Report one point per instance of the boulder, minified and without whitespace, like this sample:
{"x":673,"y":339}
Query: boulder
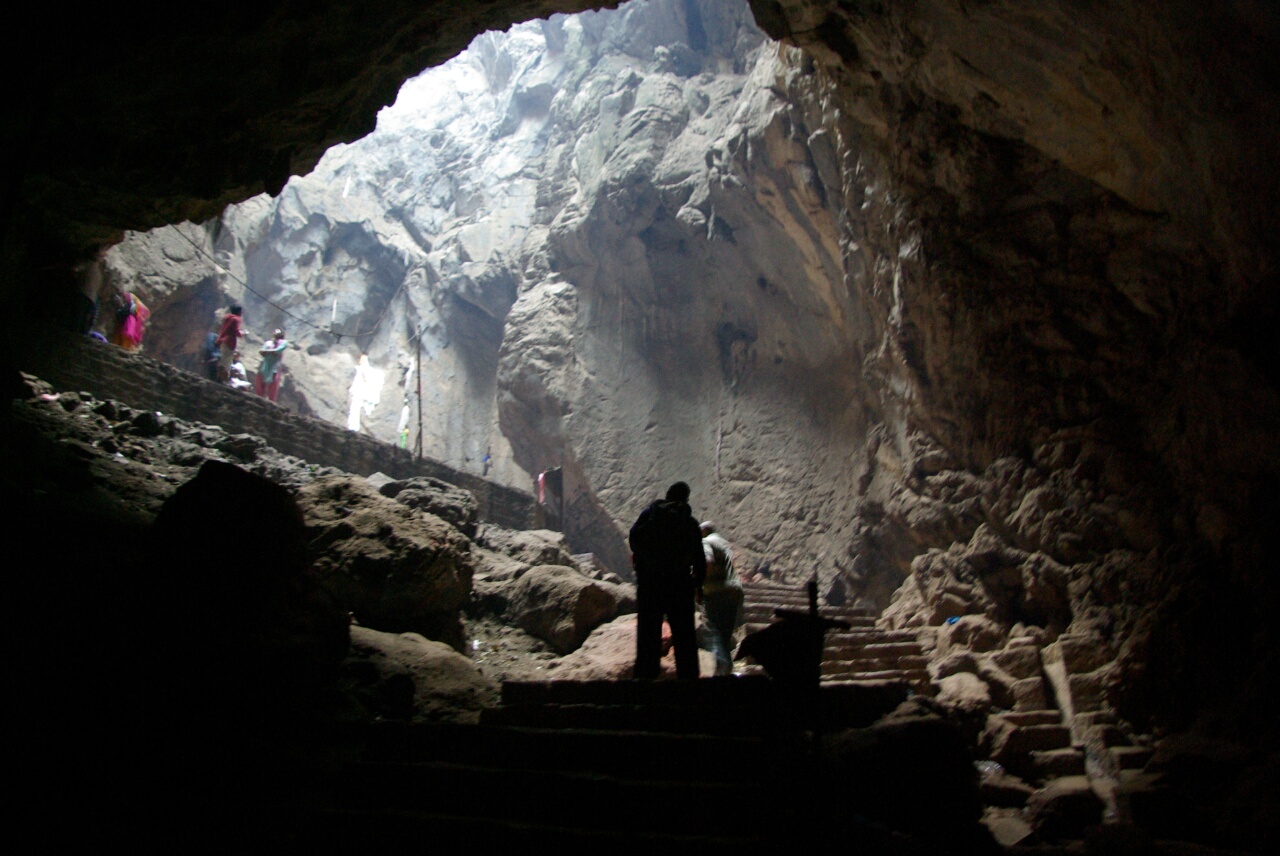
{"x":964,"y":693}
{"x":528,"y":547}
{"x":1020,"y":661}
{"x":393,"y":567}
{"x":451,"y":504}
{"x":609,"y":654}
{"x":404,"y":676}
{"x":972,"y":632}
{"x":560,"y":606}
{"x":1064,"y":808}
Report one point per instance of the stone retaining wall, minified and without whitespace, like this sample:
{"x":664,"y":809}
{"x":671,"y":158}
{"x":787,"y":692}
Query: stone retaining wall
{"x":75,"y":363}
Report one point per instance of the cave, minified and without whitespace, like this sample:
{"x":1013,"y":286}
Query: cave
{"x":962,"y":310}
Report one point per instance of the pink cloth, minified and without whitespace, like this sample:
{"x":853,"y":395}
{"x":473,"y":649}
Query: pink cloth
{"x":133,"y":327}
{"x":269,"y":391}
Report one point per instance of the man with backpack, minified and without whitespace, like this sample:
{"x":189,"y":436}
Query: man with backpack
{"x":722,"y":596}
{"x":666,"y":547}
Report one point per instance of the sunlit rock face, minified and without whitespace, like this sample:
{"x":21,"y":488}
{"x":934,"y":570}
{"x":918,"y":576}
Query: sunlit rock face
{"x":619,"y":237}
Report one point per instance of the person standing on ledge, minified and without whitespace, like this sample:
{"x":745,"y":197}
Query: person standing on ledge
{"x":666,"y":547}
{"x":228,"y":336}
{"x":722,"y":596}
{"x":267,"y":382}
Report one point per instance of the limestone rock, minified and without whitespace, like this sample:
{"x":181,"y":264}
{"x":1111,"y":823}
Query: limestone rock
{"x":395,"y":568}
{"x":529,"y":548}
{"x":1000,"y":788}
{"x":451,"y":504}
{"x":964,"y":693}
{"x":560,"y":605}
{"x":1064,"y":808}
{"x":975,"y":633}
{"x":408,"y":677}
{"x":1011,"y":744}
{"x":609,"y":653}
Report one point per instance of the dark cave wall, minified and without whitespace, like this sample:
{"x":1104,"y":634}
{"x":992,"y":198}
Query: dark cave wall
{"x":1070,"y":244}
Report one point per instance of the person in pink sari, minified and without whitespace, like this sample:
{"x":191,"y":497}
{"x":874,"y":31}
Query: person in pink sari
{"x":131,"y":321}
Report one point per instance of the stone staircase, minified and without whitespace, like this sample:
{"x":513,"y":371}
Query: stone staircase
{"x":861,"y":654}
{"x":715,"y":766}
{"x":1060,"y":739}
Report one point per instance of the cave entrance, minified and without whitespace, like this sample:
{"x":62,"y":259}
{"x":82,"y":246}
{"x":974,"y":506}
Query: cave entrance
{"x":605,"y":245}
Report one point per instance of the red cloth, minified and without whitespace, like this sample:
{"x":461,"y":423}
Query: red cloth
{"x":230,"y":332}
{"x":270,"y":390}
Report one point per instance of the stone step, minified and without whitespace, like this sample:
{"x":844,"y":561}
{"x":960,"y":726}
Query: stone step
{"x":591,"y":801}
{"x":696,"y":757}
{"x":765,"y":612}
{"x":730,"y":690}
{"x":875,"y":649}
{"x":1131,"y":757}
{"x":846,"y":706}
{"x":722,"y":720}
{"x":864,"y":635}
{"x":1055,"y":763}
{"x":1032,"y":717}
{"x":915,"y":666}
{"x":912,"y":677}
{"x":752,"y":626}
{"x":1094,"y":718}
{"x":354,"y":831}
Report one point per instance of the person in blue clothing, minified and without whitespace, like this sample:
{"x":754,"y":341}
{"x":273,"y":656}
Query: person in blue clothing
{"x":267,"y":383}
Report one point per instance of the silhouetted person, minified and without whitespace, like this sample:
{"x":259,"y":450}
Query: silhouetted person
{"x":666,"y":547}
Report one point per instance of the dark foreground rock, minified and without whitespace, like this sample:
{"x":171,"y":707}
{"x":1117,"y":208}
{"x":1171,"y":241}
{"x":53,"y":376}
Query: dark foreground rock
{"x":407,"y":677}
{"x":911,"y":775}
{"x":394,"y":567}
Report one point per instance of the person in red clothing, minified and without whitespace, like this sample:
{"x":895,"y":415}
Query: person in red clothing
{"x":228,"y":336}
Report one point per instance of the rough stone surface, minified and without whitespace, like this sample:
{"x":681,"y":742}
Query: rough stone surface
{"x":560,"y":605}
{"x":1064,"y":808}
{"x":395,"y":568}
{"x":526,"y":547}
{"x":964,"y":693}
{"x":405,"y":676}
{"x":451,"y":504}
{"x":609,"y":653}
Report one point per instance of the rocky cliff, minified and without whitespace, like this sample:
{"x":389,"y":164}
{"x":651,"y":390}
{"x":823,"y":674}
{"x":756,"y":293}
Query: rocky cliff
{"x":613,"y":233}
